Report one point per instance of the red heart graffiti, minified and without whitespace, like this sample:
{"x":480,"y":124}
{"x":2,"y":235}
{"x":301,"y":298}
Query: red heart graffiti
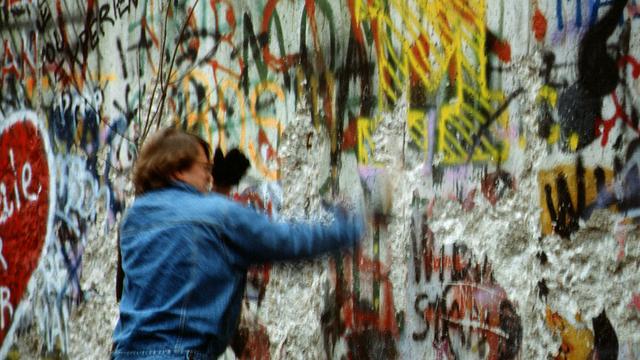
{"x":24,"y":210}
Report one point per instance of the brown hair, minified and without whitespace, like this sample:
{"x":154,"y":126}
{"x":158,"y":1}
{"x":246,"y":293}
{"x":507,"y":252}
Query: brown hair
{"x":166,"y":152}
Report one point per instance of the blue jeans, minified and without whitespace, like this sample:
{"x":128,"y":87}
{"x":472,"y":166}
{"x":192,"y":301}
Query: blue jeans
{"x":162,"y":355}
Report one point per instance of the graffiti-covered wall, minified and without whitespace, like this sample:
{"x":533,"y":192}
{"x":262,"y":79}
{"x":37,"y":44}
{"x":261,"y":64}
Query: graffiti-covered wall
{"x":493,"y":145}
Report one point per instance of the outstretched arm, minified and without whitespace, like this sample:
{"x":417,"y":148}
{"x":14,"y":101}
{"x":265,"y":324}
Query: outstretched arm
{"x":258,"y":239}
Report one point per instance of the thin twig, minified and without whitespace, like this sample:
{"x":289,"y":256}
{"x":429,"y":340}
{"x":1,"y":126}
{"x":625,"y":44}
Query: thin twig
{"x":147,"y":123}
{"x":173,"y":58}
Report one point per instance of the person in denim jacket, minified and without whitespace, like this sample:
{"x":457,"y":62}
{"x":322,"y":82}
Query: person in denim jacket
{"x":185,"y":253}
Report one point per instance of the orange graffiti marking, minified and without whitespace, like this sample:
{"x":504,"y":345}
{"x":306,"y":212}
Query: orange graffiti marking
{"x":260,"y":149}
{"x":577,"y":342}
{"x":228,"y":84}
{"x":420,"y":50}
{"x":21,"y":67}
{"x":9,"y":65}
{"x":359,"y":318}
{"x":265,"y":122}
{"x":539,"y":25}
{"x":229,"y":16}
{"x":350,"y":136}
{"x":354,"y":21}
{"x":503,"y":50}
{"x":285,"y":62}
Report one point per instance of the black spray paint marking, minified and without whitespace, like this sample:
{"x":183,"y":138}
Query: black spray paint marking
{"x":122,"y":59}
{"x":565,"y":215}
{"x":580,"y":105}
{"x":605,"y":338}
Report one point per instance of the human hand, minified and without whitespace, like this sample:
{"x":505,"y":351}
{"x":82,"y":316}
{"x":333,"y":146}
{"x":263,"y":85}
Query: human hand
{"x":351,"y":223}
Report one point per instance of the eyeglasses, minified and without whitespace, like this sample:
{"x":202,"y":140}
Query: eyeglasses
{"x":207,"y":166}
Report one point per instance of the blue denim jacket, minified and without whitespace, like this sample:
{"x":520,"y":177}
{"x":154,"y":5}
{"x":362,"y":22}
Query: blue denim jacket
{"x":185,"y":256}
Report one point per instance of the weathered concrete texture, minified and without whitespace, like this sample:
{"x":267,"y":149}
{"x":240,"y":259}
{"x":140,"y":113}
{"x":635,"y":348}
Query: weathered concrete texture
{"x":493,"y":147}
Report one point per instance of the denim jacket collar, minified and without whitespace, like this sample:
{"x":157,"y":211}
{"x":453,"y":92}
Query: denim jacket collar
{"x":184,"y":186}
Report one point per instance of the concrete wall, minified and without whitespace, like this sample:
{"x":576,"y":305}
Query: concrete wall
{"x":495,"y":144}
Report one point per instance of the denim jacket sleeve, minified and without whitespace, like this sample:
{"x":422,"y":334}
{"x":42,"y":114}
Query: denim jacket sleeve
{"x":258,"y":239}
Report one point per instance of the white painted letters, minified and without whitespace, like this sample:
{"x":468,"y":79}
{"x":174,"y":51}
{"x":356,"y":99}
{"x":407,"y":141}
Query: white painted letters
{"x":3,"y":262}
{"x":26,"y":181}
{"x":20,"y":187}
{"x":5,"y":304}
{"x":5,"y":293}
{"x":7,"y":205}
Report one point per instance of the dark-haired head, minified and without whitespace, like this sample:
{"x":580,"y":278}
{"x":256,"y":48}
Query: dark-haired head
{"x":228,"y":170}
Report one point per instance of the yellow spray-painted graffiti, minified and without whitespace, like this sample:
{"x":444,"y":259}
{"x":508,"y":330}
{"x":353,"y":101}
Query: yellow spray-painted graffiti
{"x":423,"y":34}
{"x":549,"y":94}
{"x":460,"y":122}
{"x":366,"y":144}
{"x":432,"y":38}
{"x":418,"y":129}
{"x":254,"y":137}
{"x":265,"y":124}
{"x":196,"y":113}
{"x":567,"y":175}
{"x":577,"y":340}
{"x":228,"y":84}
{"x":268,"y":127}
